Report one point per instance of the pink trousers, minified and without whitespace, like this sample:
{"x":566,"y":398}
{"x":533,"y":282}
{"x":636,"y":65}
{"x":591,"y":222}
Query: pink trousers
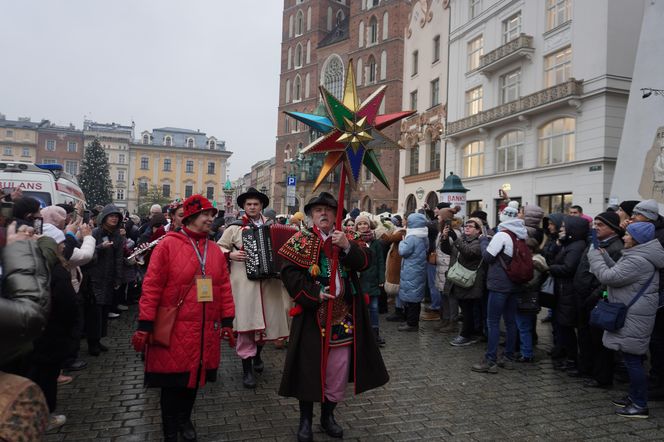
{"x":245,"y":347}
{"x":336,"y":373}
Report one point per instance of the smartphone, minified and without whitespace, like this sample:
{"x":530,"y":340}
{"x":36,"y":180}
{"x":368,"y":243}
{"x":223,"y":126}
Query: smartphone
{"x":105,"y":239}
{"x":593,"y":238}
{"x":86,"y":216}
{"x":37,"y":224}
{"x":448,"y":222}
{"x":7,"y":209}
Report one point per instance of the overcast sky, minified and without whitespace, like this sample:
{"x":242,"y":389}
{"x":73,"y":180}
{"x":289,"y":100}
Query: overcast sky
{"x":211,"y":65}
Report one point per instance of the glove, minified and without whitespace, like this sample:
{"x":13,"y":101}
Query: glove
{"x":227,"y":333}
{"x":140,"y":340}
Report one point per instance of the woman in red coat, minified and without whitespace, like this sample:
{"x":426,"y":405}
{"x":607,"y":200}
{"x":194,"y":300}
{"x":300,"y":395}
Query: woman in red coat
{"x":185,"y":269}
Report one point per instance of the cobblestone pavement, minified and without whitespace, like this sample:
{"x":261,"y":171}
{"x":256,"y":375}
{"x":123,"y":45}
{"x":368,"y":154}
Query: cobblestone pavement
{"x":432,"y":395}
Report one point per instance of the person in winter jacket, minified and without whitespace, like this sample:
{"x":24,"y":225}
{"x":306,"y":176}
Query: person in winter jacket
{"x":636,"y":272}
{"x":532,"y":215}
{"x":105,"y":275}
{"x":550,"y":248}
{"x":572,"y":242}
{"x":24,"y":300}
{"x":595,"y":360}
{"x":180,"y":266}
{"x":497,"y":252}
{"x":55,"y":345}
{"x":393,"y":271}
{"x":449,"y":304}
{"x":413,"y":249}
{"x":467,"y":251}
{"x":372,"y":279}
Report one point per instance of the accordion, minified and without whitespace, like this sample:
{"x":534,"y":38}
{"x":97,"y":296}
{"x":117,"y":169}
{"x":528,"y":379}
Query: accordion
{"x":261,"y":245}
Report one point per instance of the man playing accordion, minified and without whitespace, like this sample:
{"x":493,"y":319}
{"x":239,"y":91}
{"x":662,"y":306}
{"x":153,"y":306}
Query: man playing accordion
{"x":261,"y":306}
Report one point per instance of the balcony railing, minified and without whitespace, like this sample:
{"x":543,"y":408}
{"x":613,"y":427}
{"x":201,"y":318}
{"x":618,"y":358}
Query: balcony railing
{"x":522,"y":46}
{"x":543,"y":99}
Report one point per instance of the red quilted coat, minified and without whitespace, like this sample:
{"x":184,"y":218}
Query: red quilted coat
{"x":193,"y":355}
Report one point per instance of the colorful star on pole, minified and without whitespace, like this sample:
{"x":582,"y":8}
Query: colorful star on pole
{"x":351,"y":132}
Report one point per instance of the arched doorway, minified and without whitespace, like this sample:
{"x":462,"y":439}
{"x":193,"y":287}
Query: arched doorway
{"x":411,"y":204}
{"x":366,"y":204}
{"x":432,"y":200}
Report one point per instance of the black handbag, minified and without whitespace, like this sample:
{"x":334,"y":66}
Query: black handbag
{"x":528,"y":302}
{"x":610,"y":316}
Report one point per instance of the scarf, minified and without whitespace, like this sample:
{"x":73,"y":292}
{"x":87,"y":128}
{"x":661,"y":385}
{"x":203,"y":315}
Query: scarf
{"x":419,"y":232}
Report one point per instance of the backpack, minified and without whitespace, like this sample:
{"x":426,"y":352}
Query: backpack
{"x":520,"y":269}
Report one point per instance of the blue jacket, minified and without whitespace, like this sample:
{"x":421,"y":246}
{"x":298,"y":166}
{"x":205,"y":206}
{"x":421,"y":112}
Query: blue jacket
{"x":414,"y":249}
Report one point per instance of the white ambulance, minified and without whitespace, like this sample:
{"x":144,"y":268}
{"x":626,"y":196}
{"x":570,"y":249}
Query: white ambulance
{"x":48,"y":183}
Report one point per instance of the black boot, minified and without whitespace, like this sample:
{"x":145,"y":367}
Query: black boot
{"x":379,"y":339}
{"x":331,"y":427}
{"x":258,"y":362}
{"x":186,"y":427}
{"x":248,"y":379}
{"x":170,"y":426}
{"x":304,"y":432}
{"x":397,"y":316}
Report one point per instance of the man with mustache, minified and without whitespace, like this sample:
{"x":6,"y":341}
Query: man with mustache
{"x":310,"y":374}
{"x":261,"y":307}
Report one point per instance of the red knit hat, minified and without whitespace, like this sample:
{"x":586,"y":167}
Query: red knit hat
{"x":196,"y":204}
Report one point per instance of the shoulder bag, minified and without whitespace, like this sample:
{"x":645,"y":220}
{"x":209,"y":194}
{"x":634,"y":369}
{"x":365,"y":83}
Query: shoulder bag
{"x":547,"y":295}
{"x":462,"y":276}
{"x":610,"y":316}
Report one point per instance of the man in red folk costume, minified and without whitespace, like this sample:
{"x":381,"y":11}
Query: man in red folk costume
{"x":320,"y":363}
{"x":261,"y":306}
{"x":187,"y":276}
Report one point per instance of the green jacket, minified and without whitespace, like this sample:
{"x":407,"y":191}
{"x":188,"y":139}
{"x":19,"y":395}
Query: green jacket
{"x":374,"y":276}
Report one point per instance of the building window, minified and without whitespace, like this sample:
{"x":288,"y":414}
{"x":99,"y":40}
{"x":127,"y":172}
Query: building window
{"x":555,"y":203}
{"x":8,"y":151}
{"x":211,"y":168}
{"x":142,"y":188}
{"x":209,"y":194}
{"x":121,"y":175}
{"x":413,"y":100}
{"x":474,"y":101}
{"x":119,"y":194}
{"x":189,"y":167}
{"x":510,"y":86}
{"x":473,"y":159}
{"x":340,"y":17}
{"x":297,"y":89}
{"x":188,"y":190}
{"x":434,"y":155}
{"x":556,"y":141}
{"x":168,"y":141}
{"x":50,"y":145}
{"x":146,"y":139}
{"x":512,"y":28}
{"x":373,"y":31}
{"x":50,"y":161}
{"x":287,"y":124}
{"x":190,"y":143}
{"x":371,"y":70}
{"x":298,"y":56}
{"x":167,"y":165}
{"x":416,"y":56}
{"x":436,"y":49}
{"x":475,"y":51}
{"x":557,"y":13}
{"x":10,"y":133}
{"x":213,"y":145}
{"x":166,"y":190}
{"x":299,"y":23}
{"x":472,"y":206}
{"x":121,"y":158}
{"x":144,"y":163}
{"x":413,"y":166}
{"x":333,"y":76}
{"x":435,"y":92}
{"x":558,"y":67}
{"x":509,"y":151}
{"x":72,"y":146}
{"x":25,"y":152}
{"x":475,"y":8}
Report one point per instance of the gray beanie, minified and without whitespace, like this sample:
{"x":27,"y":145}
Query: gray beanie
{"x":647,"y":208}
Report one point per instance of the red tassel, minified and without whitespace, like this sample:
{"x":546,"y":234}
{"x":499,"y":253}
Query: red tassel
{"x":366,"y":298}
{"x":297,"y":310}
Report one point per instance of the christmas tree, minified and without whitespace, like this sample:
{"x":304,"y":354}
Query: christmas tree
{"x":95,"y":177}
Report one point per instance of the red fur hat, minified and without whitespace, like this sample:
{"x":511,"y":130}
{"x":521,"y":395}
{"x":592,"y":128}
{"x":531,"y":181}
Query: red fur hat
{"x":196,"y":204}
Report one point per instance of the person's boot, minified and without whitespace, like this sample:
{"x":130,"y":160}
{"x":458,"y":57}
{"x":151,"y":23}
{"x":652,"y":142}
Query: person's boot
{"x":248,"y":379}
{"x":258,"y":362}
{"x":93,"y":348}
{"x":186,"y":427}
{"x":304,"y":431}
{"x":327,"y":421}
{"x":379,"y":339}
{"x":397,"y":316}
{"x":170,"y":426}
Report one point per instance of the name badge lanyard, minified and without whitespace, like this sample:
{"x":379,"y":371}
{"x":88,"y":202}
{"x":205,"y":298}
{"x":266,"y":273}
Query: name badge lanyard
{"x":201,"y":259}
